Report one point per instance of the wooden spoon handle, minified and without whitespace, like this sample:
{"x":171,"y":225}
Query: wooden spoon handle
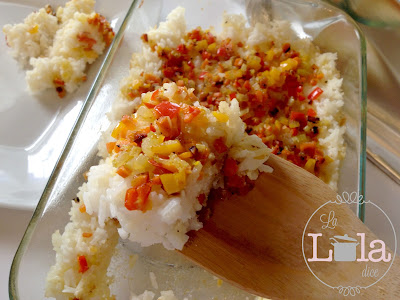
{"x":255,"y":241}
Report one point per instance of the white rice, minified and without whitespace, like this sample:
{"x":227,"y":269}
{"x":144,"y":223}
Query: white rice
{"x":32,"y":38}
{"x":66,"y":13}
{"x":45,"y":69}
{"x":53,"y":47}
{"x":64,"y":280}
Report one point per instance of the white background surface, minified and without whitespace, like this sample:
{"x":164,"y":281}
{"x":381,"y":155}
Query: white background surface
{"x":380,"y":189}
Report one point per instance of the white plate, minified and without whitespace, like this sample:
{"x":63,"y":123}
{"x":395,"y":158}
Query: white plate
{"x":34,"y":128}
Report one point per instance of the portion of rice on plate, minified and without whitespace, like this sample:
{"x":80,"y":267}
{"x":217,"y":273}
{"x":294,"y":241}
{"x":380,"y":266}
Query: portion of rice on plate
{"x":57,"y":45}
{"x":198,"y":111}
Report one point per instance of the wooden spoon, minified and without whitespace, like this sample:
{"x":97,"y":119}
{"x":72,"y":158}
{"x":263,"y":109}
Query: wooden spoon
{"x":255,"y":241}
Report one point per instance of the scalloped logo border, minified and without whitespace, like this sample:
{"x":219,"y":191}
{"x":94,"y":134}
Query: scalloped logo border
{"x":352,"y":198}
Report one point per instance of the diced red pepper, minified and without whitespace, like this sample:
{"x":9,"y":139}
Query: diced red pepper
{"x":299,"y":117}
{"x":222,"y":52}
{"x":210,"y":38}
{"x":110,"y":147}
{"x":220,"y":146}
{"x":169,"y":128}
{"x":311,"y":113}
{"x":83,"y":265}
{"x":247,"y":85}
{"x":301,"y":97}
{"x":168,"y":72}
{"x":144,"y":191}
{"x":231,"y":167}
{"x":315,"y":93}
{"x":124,"y":171}
{"x":308,"y":148}
{"x":138,"y":180}
{"x":232,"y":95}
{"x":182,"y":49}
{"x":195,"y":34}
{"x":131,"y":198}
{"x":167,"y":108}
{"x":190,"y":112}
{"x":137,"y":198}
{"x":160,"y":169}
{"x":84,"y":37}
{"x":156,"y":180}
{"x":259,"y":97}
{"x":205,"y":55}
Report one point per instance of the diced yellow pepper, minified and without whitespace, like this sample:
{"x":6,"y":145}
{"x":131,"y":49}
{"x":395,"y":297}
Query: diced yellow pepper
{"x":135,"y":84}
{"x":173,"y":183}
{"x":185,"y":155}
{"x":310,"y":165}
{"x":119,"y":131}
{"x":233,"y":74}
{"x":254,"y":62}
{"x":289,"y":64}
{"x":274,"y":77}
{"x":212,"y":48}
{"x":270,"y":54}
{"x":168,"y":147}
{"x":278,"y":125}
{"x":328,"y":159}
{"x":201,"y":45}
{"x":34,"y":29}
{"x":284,"y":120}
{"x":221,"y":117}
{"x":294,"y":124}
{"x":301,"y":138}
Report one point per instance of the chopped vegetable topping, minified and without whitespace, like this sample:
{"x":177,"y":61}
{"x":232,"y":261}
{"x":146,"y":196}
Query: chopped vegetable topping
{"x":83,"y":265}
{"x":137,"y":198}
{"x":220,"y":146}
{"x":315,"y":93}
{"x":167,"y":108}
{"x":82,"y":208}
{"x":268,"y":84}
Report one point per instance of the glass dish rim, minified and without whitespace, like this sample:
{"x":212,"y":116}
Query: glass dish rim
{"x":346,"y":6}
{"x":98,"y":81}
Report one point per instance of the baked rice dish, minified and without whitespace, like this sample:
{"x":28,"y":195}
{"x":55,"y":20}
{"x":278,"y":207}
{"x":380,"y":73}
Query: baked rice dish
{"x":199,"y":111}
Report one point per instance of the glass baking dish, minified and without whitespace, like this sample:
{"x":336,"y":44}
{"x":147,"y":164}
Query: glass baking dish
{"x":330,"y":29}
{"x":382,"y":13}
